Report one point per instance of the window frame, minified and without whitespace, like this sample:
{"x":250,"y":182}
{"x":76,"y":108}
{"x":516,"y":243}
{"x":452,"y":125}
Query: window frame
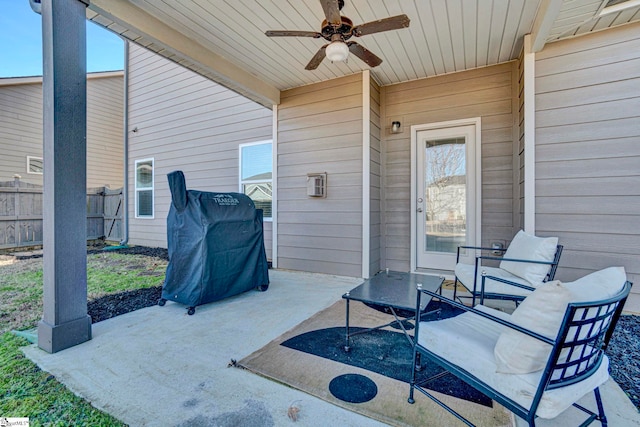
{"x":242,"y":182}
{"x":140,"y":189}
{"x":29,"y":158}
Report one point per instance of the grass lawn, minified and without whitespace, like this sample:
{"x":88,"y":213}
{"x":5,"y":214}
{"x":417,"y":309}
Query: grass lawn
{"x":27,"y":391}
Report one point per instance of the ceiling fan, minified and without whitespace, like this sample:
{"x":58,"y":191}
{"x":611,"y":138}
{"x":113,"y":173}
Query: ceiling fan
{"x":338,"y":29}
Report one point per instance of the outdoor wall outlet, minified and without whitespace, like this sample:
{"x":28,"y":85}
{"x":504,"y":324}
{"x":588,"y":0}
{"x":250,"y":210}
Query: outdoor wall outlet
{"x":497,"y":247}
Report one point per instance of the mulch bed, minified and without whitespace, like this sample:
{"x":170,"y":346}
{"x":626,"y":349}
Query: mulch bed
{"x":160,"y":253}
{"x":624,"y":357}
{"x":113,"y":305}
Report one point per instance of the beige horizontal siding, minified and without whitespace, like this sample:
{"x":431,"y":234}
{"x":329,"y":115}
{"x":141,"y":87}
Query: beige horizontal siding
{"x":588,"y":151}
{"x":105,"y":135}
{"x":320,"y":130}
{"x":21,"y":124}
{"x":485,"y":93}
{"x":21,"y":130}
{"x":186,"y":122}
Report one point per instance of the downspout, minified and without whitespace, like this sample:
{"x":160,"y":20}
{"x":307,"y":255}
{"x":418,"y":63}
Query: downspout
{"x":125,"y":184}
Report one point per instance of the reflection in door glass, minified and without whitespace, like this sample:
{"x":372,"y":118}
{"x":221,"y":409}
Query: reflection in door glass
{"x":445,"y":195}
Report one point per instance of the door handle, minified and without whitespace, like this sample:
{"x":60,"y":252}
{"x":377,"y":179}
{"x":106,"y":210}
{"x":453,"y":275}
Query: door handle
{"x":419,"y":209}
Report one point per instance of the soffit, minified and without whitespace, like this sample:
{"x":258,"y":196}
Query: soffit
{"x":578,"y":17}
{"x":445,"y":36}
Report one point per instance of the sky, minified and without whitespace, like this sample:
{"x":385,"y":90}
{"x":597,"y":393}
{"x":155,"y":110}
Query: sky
{"x":21,"y":43}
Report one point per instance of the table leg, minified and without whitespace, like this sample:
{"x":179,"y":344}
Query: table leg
{"x":346,"y":346}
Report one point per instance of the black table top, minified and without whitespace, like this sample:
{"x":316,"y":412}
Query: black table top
{"x":394,"y":289}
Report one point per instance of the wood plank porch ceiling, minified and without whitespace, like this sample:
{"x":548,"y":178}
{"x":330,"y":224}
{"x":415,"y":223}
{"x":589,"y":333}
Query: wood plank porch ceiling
{"x":445,"y":36}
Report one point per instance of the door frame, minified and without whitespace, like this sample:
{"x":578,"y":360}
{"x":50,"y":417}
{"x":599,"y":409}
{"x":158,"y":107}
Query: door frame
{"x":475,"y":121}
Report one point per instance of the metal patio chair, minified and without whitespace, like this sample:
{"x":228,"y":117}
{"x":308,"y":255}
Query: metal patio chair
{"x":527,"y":263}
{"x":466,"y":346}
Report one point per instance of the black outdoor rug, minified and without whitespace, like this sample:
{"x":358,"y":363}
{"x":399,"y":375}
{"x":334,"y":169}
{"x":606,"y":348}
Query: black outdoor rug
{"x":373,"y":377}
{"x":385,"y":352}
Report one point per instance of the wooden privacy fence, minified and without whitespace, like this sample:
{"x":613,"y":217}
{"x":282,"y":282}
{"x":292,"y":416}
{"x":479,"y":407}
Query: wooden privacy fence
{"x":21,"y":214}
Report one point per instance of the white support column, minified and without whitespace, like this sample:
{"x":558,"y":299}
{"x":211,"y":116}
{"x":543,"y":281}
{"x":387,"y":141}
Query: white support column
{"x":529,"y":137}
{"x":274,"y":189}
{"x":366,"y":173}
{"x":65,"y":322}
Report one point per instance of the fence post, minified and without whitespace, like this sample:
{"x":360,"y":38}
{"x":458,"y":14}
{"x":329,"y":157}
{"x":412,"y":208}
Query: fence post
{"x":16,"y":204}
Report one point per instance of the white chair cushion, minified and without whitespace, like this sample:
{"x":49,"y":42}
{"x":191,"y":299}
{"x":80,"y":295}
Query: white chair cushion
{"x":527,"y":247}
{"x":542,"y":312}
{"x":464,"y":273}
{"x":468,"y":341}
{"x":597,"y":286}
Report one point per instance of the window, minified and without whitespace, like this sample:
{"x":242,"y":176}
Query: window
{"x":256,"y":179}
{"x":34,"y":165}
{"x":144,"y":188}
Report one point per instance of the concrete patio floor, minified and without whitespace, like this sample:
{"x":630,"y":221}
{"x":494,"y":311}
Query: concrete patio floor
{"x":158,"y":366}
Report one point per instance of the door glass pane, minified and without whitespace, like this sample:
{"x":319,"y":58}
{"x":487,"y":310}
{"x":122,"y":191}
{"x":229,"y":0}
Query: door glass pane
{"x":445,"y":195}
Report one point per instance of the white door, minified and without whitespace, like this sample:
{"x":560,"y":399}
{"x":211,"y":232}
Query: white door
{"x":446,"y":194}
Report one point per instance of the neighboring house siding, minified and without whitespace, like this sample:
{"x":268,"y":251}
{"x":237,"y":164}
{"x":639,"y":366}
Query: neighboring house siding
{"x":588,"y":151}
{"x":105,"y":135}
{"x":186,"y":122}
{"x":320,"y":130}
{"x":486,"y":93}
{"x":20,"y":130}
{"x":375,"y":180}
{"x":21,"y":115}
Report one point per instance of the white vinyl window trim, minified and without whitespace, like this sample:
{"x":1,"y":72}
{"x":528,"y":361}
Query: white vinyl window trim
{"x":35,"y":165}
{"x":260,"y":185}
{"x":144,"y":188}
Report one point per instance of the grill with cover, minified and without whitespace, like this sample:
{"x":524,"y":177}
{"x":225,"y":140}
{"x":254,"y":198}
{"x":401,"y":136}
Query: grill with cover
{"x":215,"y":244}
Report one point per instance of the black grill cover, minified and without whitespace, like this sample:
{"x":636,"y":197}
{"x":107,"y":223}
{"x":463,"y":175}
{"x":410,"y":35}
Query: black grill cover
{"x":215,"y":244}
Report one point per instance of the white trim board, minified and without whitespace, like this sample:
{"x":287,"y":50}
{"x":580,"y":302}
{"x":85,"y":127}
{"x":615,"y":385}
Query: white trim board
{"x":274,"y":189}
{"x":529,"y":137}
{"x":366,"y":173}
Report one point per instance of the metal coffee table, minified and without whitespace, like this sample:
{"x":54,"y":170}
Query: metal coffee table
{"x":395,"y":291}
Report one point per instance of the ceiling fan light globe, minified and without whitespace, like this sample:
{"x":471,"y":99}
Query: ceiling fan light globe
{"x":337,"y":51}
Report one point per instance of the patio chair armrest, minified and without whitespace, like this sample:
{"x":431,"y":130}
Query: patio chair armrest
{"x":529,"y":261}
{"x":506,"y":282}
{"x":487,"y":316}
{"x":501,"y":280}
{"x":483,"y":248}
{"x":480,"y":248}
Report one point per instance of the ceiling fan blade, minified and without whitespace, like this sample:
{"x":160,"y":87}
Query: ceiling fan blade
{"x":364,"y":54}
{"x":287,"y":33}
{"x":331,"y":11}
{"x":387,"y":24}
{"x":317,"y":58}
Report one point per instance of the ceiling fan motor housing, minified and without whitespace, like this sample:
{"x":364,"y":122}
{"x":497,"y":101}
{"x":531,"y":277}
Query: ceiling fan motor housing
{"x":344,"y":30}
